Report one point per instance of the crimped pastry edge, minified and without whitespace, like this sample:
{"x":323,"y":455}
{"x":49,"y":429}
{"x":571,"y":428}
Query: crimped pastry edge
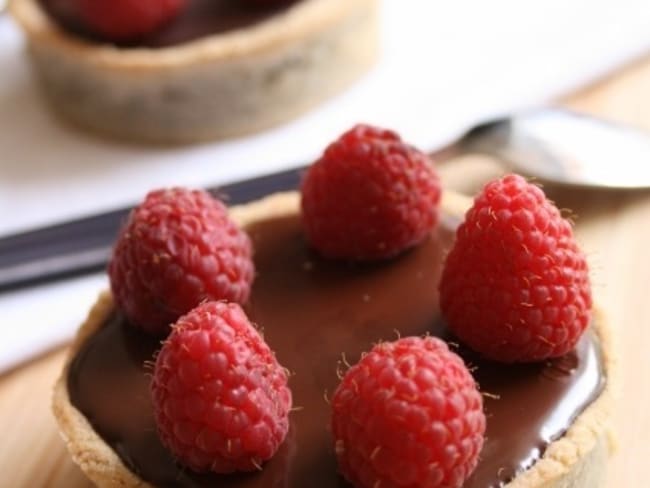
{"x":577,"y":460}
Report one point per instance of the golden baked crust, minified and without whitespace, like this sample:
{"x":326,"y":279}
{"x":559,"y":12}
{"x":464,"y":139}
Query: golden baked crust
{"x":577,"y":460}
{"x":218,"y":86}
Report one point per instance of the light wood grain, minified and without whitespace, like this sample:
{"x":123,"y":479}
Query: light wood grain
{"x":613,"y":227}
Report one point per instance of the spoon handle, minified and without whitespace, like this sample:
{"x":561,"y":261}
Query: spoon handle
{"x":83,"y":246}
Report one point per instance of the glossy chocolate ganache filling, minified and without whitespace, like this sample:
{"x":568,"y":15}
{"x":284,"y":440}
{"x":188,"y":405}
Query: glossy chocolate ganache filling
{"x":201,"y":18}
{"x":312,"y":311}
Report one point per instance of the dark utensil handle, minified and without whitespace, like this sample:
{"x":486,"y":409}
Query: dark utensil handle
{"x":82,"y":246}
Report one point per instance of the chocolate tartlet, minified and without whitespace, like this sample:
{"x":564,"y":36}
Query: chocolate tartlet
{"x":546,"y":423}
{"x":217,"y":71}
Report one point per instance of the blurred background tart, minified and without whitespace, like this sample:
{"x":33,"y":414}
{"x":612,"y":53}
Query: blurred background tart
{"x":211,"y":69}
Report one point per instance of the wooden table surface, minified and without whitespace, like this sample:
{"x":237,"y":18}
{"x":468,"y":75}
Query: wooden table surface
{"x":613,"y":227}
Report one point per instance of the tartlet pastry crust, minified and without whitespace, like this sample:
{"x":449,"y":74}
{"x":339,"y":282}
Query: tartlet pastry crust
{"x":218,"y":86}
{"x":577,"y":460}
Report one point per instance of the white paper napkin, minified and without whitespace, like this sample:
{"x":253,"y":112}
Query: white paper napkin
{"x":445,"y":65}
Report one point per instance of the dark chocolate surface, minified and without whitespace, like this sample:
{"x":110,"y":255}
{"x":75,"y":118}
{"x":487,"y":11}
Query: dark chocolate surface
{"x":200,"y":19}
{"x":312,"y":311}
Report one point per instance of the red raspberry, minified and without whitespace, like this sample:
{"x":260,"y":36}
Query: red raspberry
{"x":370,"y":196}
{"x":177,"y":249}
{"x":123,"y":20}
{"x":220,"y":398}
{"x":408,"y":415}
{"x":515,"y":286}
{"x":266,"y":3}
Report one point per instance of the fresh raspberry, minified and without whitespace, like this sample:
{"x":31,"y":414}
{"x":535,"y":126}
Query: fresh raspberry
{"x":370,"y":196}
{"x":220,"y":397}
{"x":266,"y":4}
{"x":124,"y":20}
{"x":177,"y":249}
{"x":408,"y":414}
{"x":515,"y":286}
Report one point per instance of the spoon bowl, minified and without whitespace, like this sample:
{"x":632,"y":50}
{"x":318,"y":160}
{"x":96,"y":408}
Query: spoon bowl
{"x":564,"y":147}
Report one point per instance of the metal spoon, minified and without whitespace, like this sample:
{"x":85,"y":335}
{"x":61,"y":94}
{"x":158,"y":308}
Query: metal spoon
{"x":564,"y":147}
